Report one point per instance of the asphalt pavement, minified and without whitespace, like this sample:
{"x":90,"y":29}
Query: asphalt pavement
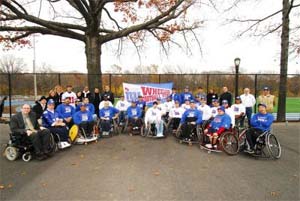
{"x":136,"y":168}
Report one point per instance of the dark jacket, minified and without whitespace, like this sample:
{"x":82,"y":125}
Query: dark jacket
{"x":38,"y":109}
{"x":226,"y":96}
{"x":110,"y":96}
{"x":17,"y":124}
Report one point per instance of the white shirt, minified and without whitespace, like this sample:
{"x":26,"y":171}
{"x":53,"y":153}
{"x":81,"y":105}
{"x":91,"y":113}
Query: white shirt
{"x":206,"y":111}
{"x":248,"y":100}
{"x":72,"y":96}
{"x":176,"y":112}
{"x":122,"y":105}
{"x":230,"y":112}
{"x":214,"y":111}
{"x":169,"y":105}
{"x":153,"y":115}
{"x":185,"y":106}
{"x":101,"y":105}
{"x":238,"y":109}
{"x":162,"y":107}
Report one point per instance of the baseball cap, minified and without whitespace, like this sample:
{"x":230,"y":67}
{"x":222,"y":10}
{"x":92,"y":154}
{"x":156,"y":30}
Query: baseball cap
{"x":221,"y":108}
{"x":262,"y":104}
{"x":155,"y":103}
{"x":192,"y":101}
{"x":266,"y":88}
{"x":238,"y":98}
{"x":50,"y":101}
{"x":224,"y":102}
{"x":214,"y":100}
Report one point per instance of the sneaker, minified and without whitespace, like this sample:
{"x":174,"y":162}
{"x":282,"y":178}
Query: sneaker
{"x":250,"y":151}
{"x":208,"y":146}
{"x":215,"y":146}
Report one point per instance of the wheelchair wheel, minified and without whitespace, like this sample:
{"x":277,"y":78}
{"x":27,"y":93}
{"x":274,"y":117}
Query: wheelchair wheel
{"x":26,"y":156}
{"x":178,"y":133}
{"x":11,"y":153}
{"x":229,"y":143}
{"x":273,"y":146}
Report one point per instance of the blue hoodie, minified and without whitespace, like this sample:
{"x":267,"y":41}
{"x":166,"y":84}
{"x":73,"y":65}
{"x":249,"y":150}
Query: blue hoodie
{"x":262,"y":121}
{"x":186,"y":96}
{"x":49,"y":118}
{"x":108,"y":112}
{"x":192,"y":113}
{"x":221,"y":121}
{"x":65,"y":111}
{"x":80,"y":117}
{"x":175,"y":97}
{"x":89,"y":107}
{"x":134,"y":112}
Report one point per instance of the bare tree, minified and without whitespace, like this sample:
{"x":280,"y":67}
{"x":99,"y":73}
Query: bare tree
{"x":12,"y":64}
{"x":97,"y":22}
{"x":264,"y":26}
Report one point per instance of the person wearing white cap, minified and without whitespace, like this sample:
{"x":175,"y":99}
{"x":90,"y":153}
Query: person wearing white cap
{"x":248,"y":100}
{"x":239,"y":111}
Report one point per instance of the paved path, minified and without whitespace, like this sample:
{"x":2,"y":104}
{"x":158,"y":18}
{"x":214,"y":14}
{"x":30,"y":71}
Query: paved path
{"x":135,"y":168}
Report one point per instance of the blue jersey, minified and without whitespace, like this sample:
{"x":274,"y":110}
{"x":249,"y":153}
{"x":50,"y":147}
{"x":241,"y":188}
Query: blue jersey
{"x":65,"y":111}
{"x":141,"y":104}
{"x":49,"y":118}
{"x":192,"y":113}
{"x":186,"y":96}
{"x":80,"y":117}
{"x":89,"y":107}
{"x":262,"y":121}
{"x":175,"y":97}
{"x":109,"y":112}
{"x":221,"y":121}
{"x":134,"y":112}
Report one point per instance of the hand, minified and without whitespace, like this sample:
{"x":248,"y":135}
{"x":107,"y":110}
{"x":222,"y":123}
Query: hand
{"x":193,"y":123}
{"x":29,"y":132}
{"x":42,"y":128}
{"x":206,"y":131}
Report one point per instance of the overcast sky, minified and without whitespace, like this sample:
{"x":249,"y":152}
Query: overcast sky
{"x":219,"y":48}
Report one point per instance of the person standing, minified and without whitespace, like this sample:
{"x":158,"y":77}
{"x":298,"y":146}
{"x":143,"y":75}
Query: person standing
{"x":248,"y":100}
{"x":59,"y":91}
{"x":267,"y":99}
{"x":226,"y":95}
{"x":53,"y":95}
{"x":109,"y":94}
{"x":200,"y":93}
{"x":186,"y":95}
{"x":86,"y":93}
{"x":96,"y":99}
{"x":70,"y":94}
{"x":39,"y":107}
{"x":210,"y":96}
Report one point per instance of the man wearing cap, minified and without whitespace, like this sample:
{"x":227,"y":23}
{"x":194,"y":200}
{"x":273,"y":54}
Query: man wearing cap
{"x":65,"y":111}
{"x":108,"y":94}
{"x":267,"y":99}
{"x":205,"y":109}
{"x":210,"y":96}
{"x":25,"y":124}
{"x":141,"y":104}
{"x":214,"y":107}
{"x":84,"y":119}
{"x":229,"y":111}
{"x":186,"y":95}
{"x":218,"y":125}
{"x":104,"y":101}
{"x":55,"y":124}
{"x":107,"y":115}
{"x":175,"y":96}
{"x":226,"y":95}
{"x":248,"y":100}
{"x":260,"y":123}
{"x":72,"y":95}
{"x":239,"y":111}
{"x":200,"y":92}
{"x":190,"y":118}
{"x":89,"y":107}
{"x":153,"y":116}
{"x":134,"y":117}
{"x":175,"y":115}
{"x":39,"y":107}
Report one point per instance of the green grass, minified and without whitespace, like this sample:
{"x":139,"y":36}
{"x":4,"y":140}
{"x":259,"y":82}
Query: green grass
{"x":292,"y":105}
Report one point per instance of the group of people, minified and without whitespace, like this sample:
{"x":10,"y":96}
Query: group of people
{"x":62,"y":109}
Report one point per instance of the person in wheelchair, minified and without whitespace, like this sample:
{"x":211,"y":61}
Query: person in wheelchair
{"x":65,"y":111}
{"x":25,"y":124}
{"x":89,"y":107}
{"x":84,"y":120}
{"x":260,"y":123}
{"x":217,"y":126}
{"x":134,"y":114}
{"x":239,"y":111}
{"x":206,"y":111}
{"x":122,"y":105}
{"x":56,"y":125}
{"x":175,"y":116}
{"x":107,"y":115}
{"x":190,"y":119}
{"x":153,"y":120}
{"x":141,"y":104}
{"x":214,"y":107}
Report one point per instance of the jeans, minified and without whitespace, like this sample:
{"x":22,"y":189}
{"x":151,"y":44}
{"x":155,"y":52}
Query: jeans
{"x":248,"y":114}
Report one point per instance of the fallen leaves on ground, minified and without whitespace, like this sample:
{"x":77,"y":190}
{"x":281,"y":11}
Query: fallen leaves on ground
{"x":275,"y":193}
{"x":2,"y":186}
{"x":156,"y":173}
{"x":9,"y":186}
{"x":44,"y":184}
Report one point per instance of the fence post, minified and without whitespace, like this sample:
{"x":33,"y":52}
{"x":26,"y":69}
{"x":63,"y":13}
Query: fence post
{"x":207,"y":83}
{"x":59,"y":79}
{"x":159,"y":78}
{"x":9,"y":93}
{"x":255,"y":89}
{"x":109,"y":80}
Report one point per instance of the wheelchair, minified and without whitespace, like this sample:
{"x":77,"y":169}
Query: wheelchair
{"x":20,"y":145}
{"x":266,"y":146}
{"x":135,"y":128}
{"x":172,"y":125}
{"x":227,"y":141}
{"x":194,"y":135}
{"x":151,"y":130}
{"x":78,"y":135}
{"x":113,"y":130}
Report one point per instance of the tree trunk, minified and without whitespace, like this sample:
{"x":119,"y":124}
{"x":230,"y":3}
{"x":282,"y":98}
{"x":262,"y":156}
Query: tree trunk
{"x":93,"y":56}
{"x":284,"y":61}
